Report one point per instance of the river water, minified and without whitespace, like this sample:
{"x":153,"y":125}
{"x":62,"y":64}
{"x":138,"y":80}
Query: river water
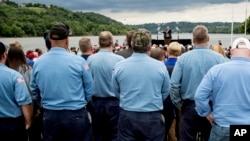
{"x":31,"y":43}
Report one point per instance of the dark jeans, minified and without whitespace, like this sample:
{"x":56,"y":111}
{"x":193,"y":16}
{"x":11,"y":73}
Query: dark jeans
{"x":105,"y":115}
{"x":169,"y":113}
{"x":66,"y":125}
{"x":141,"y":126}
{"x":36,"y":129}
{"x":192,"y":123}
{"x":13,"y":129}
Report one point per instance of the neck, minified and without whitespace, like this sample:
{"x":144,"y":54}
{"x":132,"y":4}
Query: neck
{"x":172,"y":56}
{"x":87,"y":52}
{"x":110,"y":48}
{"x":202,"y":44}
{"x":240,"y":53}
{"x":60,"y":43}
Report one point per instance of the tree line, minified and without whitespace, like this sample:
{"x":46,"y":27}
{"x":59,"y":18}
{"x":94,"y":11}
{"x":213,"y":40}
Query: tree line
{"x":33,"y":19}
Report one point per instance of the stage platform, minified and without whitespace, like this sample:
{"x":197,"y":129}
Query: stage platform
{"x":181,"y":41}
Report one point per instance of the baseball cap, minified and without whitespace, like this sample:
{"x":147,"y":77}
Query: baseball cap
{"x":141,"y":38}
{"x":59,"y":31}
{"x":3,"y":48}
{"x":241,"y":43}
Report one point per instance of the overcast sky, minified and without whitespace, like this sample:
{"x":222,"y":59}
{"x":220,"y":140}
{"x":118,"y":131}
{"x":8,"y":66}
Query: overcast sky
{"x":158,"y":11}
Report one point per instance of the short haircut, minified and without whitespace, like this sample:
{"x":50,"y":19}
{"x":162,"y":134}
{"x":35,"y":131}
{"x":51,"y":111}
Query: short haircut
{"x":105,"y":39}
{"x":3,"y":49}
{"x":59,"y":31}
{"x":141,"y":40}
{"x":157,"y":53}
{"x":200,"y":34}
{"x":174,"y":49}
{"x":85,"y":44}
{"x":129,"y":36}
{"x":47,"y":41}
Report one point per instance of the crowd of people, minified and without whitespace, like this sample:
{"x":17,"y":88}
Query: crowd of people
{"x":140,"y":93}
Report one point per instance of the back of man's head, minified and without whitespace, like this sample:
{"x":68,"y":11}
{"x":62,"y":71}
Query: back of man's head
{"x":141,"y":40}
{"x":47,"y":41}
{"x":3,"y":49}
{"x":129,"y":36}
{"x":59,"y":31}
{"x":105,"y":39}
{"x":174,"y":49}
{"x":240,"y":48}
{"x":85,"y":44}
{"x":157,"y":53}
{"x":200,"y":34}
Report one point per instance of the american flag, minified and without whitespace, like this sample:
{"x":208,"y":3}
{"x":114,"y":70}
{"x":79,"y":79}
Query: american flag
{"x":20,"y":80}
{"x":86,"y":66}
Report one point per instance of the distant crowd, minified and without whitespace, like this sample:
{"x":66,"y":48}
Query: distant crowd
{"x":134,"y":91}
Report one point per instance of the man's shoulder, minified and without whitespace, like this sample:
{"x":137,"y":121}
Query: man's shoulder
{"x":125,"y":53}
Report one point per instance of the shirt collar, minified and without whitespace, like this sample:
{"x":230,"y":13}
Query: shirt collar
{"x":104,"y":50}
{"x":240,"y":58}
{"x":201,"y":47}
{"x":58,"y":49}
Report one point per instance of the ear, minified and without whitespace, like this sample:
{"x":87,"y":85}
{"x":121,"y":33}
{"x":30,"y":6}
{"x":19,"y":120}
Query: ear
{"x":67,"y":42}
{"x":112,"y":44}
{"x":193,"y":40}
{"x":149,"y":47}
{"x":208,"y":38}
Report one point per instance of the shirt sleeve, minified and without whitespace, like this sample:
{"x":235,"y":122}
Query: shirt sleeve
{"x":114,"y":82}
{"x":21,"y":92}
{"x":175,"y":87}
{"x":166,"y":85}
{"x":88,"y":82}
{"x":35,"y":92}
{"x":202,"y":95}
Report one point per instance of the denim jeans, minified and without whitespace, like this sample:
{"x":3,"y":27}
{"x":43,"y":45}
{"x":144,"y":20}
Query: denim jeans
{"x":219,"y":133}
{"x":141,"y":126}
{"x":13,"y":129}
{"x":191,"y":123}
{"x":66,"y":125}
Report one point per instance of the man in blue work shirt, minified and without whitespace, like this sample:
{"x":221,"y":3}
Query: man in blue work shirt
{"x":63,"y":85}
{"x":142,"y":84}
{"x":16,"y":105}
{"x":187,"y":75}
{"x":104,"y":105}
{"x":227,"y":86}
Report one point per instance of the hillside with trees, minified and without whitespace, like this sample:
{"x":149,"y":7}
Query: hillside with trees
{"x":33,"y":19}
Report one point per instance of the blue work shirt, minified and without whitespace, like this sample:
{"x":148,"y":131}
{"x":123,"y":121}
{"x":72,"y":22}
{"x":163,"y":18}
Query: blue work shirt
{"x":227,"y":85}
{"x":101,"y":66}
{"x":141,"y":83}
{"x":61,"y":80}
{"x":189,"y":71}
{"x":13,"y":93}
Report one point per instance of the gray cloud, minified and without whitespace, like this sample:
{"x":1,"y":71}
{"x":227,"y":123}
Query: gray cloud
{"x":129,"y":5}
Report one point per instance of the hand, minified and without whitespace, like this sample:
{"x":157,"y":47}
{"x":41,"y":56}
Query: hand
{"x":37,"y":113}
{"x":210,"y":119}
{"x":27,"y":125}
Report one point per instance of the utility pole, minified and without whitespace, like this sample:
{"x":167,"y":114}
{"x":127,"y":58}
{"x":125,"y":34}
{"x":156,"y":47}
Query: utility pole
{"x":246,"y":20}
